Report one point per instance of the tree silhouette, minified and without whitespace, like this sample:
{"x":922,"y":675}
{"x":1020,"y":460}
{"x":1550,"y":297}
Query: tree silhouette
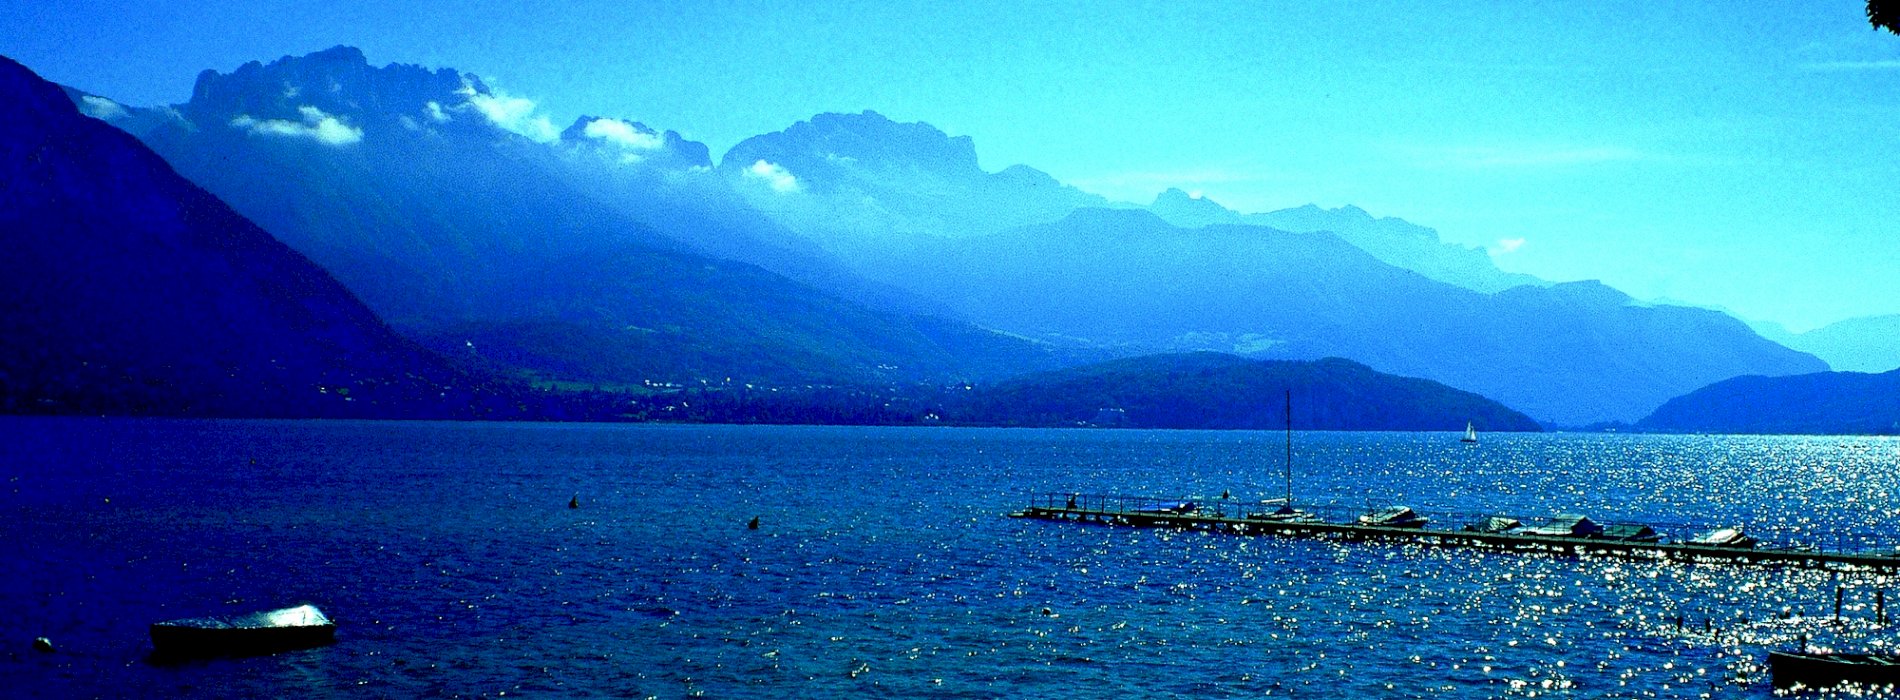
{"x":1884,"y":14}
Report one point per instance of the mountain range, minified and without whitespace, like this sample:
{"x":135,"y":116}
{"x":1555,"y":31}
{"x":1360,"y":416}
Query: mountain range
{"x":1393,"y":241}
{"x":1571,"y":353}
{"x":853,"y":249}
{"x":604,"y":254}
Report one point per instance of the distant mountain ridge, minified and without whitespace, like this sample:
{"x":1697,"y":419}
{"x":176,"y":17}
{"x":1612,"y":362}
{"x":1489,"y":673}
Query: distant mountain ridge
{"x":862,"y":184}
{"x":1396,"y":242}
{"x":1867,"y":344}
{"x":1572,"y":354}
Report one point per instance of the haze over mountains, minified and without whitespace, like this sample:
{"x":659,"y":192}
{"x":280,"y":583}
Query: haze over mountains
{"x":602,"y":255}
{"x":1394,"y":241}
{"x":850,"y":248}
{"x":1868,"y":344}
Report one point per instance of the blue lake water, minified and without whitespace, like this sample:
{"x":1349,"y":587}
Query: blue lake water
{"x":885,"y":567}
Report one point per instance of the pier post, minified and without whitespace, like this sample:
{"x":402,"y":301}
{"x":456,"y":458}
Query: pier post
{"x":1838,"y":592}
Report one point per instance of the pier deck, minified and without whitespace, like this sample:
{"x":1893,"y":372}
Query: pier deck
{"x":1226,"y":518}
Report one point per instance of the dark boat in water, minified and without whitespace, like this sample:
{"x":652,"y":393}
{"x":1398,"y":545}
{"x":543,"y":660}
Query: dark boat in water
{"x":1565,"y":526}
{"x":1630,"y":532}
{"x":1175,"y":508}
{"x":1495,"y":525}
{"x":1394,"y":516}
{"x":1286,"y":513}
{"x":251,"y":634}
{"x":1792,"y":669}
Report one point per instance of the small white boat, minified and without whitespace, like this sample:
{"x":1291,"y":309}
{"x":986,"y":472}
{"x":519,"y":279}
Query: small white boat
{"x":1471,"y":433}
{"x":1724,"y":537}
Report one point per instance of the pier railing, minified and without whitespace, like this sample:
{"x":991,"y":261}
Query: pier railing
{"x":1879,"y":549}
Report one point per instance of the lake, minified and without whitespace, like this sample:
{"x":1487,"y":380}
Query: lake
{"x":884,"y":566}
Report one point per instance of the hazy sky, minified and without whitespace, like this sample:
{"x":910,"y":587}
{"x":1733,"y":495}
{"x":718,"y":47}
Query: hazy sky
{"x":1743,"y":154}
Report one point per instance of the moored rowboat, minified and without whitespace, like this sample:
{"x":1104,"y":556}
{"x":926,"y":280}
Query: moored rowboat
{"x":1828,"y":670}
{"x":266,"y":632}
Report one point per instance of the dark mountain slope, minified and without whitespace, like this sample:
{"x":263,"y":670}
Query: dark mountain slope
{"x":1824,"y":403}
{"x":1210,"y":390}
{"x":129,"y":290}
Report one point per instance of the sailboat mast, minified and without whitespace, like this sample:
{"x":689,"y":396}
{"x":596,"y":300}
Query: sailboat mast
{"x":1289,"y":448}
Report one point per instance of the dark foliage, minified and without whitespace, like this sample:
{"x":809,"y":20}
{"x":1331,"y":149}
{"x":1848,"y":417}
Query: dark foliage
{"x":1884,"y":14}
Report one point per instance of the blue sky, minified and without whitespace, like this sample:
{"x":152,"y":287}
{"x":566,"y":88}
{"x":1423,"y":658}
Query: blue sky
{"x":1742,"y":155}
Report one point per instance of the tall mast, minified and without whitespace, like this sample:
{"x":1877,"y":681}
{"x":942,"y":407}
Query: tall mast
{"x":1289,"y":448}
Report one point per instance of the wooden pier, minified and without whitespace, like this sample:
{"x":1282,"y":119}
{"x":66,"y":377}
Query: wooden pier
{"x":1226,"y":517}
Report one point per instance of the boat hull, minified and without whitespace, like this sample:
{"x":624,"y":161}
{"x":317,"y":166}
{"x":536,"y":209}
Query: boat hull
{"x":254,"y":634}
{"x":193,"y":642}
{"x":1829,"y":670}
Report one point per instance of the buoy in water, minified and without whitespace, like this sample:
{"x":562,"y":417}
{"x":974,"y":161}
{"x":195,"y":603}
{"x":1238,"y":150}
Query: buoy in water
{"x":43,"y":645}
{"x":754,"y":525}
{"x":574,"y":502}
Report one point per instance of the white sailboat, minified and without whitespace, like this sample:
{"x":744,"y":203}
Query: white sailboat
{"x":1471,"y":433}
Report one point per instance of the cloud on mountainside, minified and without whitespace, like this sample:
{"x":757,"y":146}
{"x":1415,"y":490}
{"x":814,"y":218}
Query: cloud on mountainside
{"x":622,"y":134}
{"x":101,"y":108}
{"x":516,"y":114}
{"x":1508,"y":245}
{"x":316,"y":125}
{"x":773,"y":174}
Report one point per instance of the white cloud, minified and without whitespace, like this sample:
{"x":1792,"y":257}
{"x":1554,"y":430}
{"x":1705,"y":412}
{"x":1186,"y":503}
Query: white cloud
{"x":1529,"y":156}
{"x":514,"y":114}
{"x":434,"y":110}
{"x":316,"y":126}
{"x":1508,"y":245}
{"x":101,"y":108}
{"x":778,"y":177}
{"x":622,"y":134}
